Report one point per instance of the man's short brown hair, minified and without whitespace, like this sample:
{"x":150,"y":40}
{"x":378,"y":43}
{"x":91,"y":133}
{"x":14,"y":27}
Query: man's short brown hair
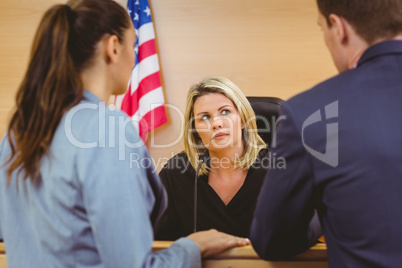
{"x":372,"y":19}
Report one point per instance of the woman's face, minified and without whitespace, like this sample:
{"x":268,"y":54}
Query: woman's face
{"x":217,"y":122}
{"x":127,"y":61}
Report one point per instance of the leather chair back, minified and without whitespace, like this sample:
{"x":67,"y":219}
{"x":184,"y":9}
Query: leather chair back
{"x":267,"y":112}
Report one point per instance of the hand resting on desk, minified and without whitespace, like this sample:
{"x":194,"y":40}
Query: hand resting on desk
{"x":212,"y":242}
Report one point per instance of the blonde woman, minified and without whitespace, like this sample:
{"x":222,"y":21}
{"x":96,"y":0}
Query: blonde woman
{"x":219,"y":121}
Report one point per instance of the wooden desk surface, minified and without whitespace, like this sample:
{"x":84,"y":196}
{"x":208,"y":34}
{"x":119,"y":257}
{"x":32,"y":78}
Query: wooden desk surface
{"x":3,"y":258}
{"x":241,"y":257}
{"x":315,"y":253}
{"x":246,"y":257}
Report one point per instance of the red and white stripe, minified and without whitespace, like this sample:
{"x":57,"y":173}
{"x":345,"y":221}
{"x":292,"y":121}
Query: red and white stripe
{"x":144,"y":101}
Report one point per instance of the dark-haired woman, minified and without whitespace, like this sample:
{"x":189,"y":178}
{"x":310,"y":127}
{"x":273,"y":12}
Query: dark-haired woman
{"x":69,"y":195}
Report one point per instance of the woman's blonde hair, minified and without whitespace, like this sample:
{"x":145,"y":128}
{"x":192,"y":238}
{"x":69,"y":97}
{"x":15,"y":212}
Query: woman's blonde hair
{"x":193,"y":145}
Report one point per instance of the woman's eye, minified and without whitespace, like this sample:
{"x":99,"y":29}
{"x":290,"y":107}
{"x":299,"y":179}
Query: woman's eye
{"x":225,"y":112}
{"x":205,"y":117}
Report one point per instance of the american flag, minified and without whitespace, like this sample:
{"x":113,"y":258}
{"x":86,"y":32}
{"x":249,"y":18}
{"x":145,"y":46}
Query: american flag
{"x":143,"y":101}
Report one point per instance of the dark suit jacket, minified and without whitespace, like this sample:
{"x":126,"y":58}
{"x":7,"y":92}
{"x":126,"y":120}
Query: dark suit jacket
{"x":342,"y":142}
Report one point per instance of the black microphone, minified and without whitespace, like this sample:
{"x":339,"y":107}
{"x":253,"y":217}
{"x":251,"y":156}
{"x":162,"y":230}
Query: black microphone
{"x":203,"y":159}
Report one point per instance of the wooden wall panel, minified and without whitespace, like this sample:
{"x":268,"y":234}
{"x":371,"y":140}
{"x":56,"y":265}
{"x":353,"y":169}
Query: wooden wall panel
{"x":18,"y":23}
{"x":267,"y":47}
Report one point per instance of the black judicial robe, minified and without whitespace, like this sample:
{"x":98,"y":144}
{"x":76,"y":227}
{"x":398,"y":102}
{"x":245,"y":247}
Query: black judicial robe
{"x":235,"y":218}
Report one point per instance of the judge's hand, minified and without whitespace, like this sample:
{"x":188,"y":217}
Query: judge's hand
{"x":212,"y":242}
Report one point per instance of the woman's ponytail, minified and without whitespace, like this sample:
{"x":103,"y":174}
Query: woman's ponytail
{"x":50,"y":87}
{"x":63,"y":47}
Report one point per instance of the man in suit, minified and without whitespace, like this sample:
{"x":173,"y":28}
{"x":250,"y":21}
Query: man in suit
{"x":342,"y":141}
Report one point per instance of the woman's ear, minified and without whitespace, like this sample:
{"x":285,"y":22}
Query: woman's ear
{"x":111,"y":48}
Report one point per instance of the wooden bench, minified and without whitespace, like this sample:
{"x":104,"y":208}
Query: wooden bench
{"x":245,"y":257}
